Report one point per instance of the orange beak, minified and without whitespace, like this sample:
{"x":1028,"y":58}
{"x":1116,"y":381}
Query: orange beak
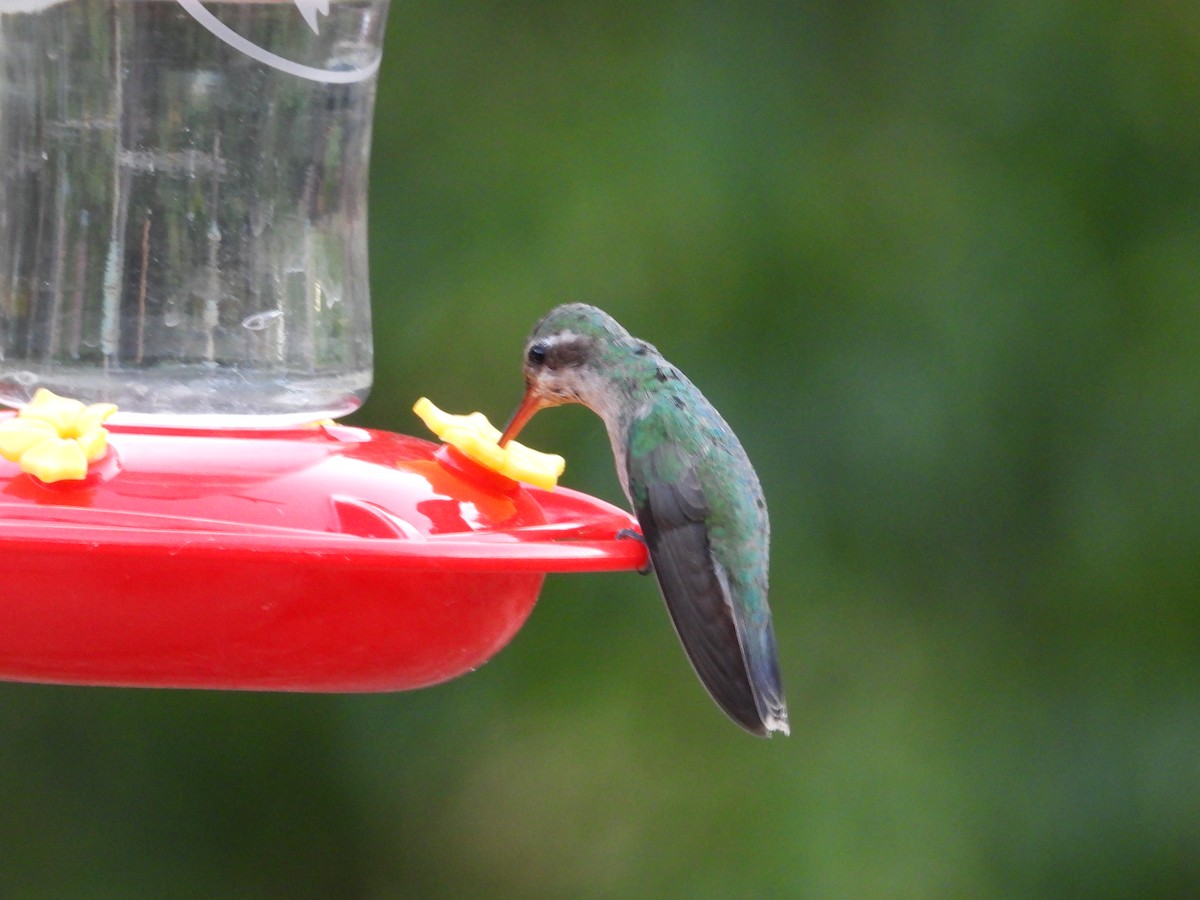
{"x":530,"y":404}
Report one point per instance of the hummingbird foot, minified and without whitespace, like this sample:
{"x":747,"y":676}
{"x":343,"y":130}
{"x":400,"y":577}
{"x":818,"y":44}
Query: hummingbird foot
{"x":628,"y":534}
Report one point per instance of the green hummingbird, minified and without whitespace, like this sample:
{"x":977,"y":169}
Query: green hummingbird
{"x":694,"y":492}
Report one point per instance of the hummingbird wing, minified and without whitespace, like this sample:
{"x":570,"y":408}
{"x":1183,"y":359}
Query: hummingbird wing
{"x":674,"y":512}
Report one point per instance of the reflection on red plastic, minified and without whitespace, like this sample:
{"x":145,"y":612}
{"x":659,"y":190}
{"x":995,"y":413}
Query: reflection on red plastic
{"x":328,"y":558}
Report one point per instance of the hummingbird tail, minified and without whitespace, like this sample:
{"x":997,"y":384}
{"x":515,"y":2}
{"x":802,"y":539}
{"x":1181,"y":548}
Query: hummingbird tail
{"x":762,"y":665}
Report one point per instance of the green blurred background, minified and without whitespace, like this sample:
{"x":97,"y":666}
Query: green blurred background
{"x":939,"y":265}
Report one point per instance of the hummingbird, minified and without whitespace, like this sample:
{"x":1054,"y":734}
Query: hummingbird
{"x":693,"y":490}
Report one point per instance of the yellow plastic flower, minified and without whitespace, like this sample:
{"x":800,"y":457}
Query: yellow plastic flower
{"x":54,"y":438}
{"x":474,"y":435}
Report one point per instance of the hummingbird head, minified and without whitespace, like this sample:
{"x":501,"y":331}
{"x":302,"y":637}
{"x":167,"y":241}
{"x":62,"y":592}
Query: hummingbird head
{"x":569,"y":358}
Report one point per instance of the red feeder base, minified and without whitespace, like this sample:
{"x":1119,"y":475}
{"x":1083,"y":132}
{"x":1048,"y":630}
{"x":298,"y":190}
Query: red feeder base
{"x":315,"y":559}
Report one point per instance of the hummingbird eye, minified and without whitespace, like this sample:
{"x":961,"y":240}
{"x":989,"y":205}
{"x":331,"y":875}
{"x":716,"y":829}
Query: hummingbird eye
{"x":537,"y":354}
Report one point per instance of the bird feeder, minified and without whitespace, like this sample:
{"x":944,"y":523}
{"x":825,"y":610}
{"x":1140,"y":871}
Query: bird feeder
{"x":183,"y":238}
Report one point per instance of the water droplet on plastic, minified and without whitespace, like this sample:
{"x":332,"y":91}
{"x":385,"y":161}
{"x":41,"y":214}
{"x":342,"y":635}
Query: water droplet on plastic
{"x":259,"y":321}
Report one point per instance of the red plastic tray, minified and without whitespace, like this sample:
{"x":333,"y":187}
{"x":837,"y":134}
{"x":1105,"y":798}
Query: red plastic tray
{"x":328,"y":558}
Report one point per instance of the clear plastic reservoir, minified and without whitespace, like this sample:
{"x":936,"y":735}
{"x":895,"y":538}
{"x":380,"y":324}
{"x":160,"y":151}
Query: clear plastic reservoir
{"x":183,"y":205}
